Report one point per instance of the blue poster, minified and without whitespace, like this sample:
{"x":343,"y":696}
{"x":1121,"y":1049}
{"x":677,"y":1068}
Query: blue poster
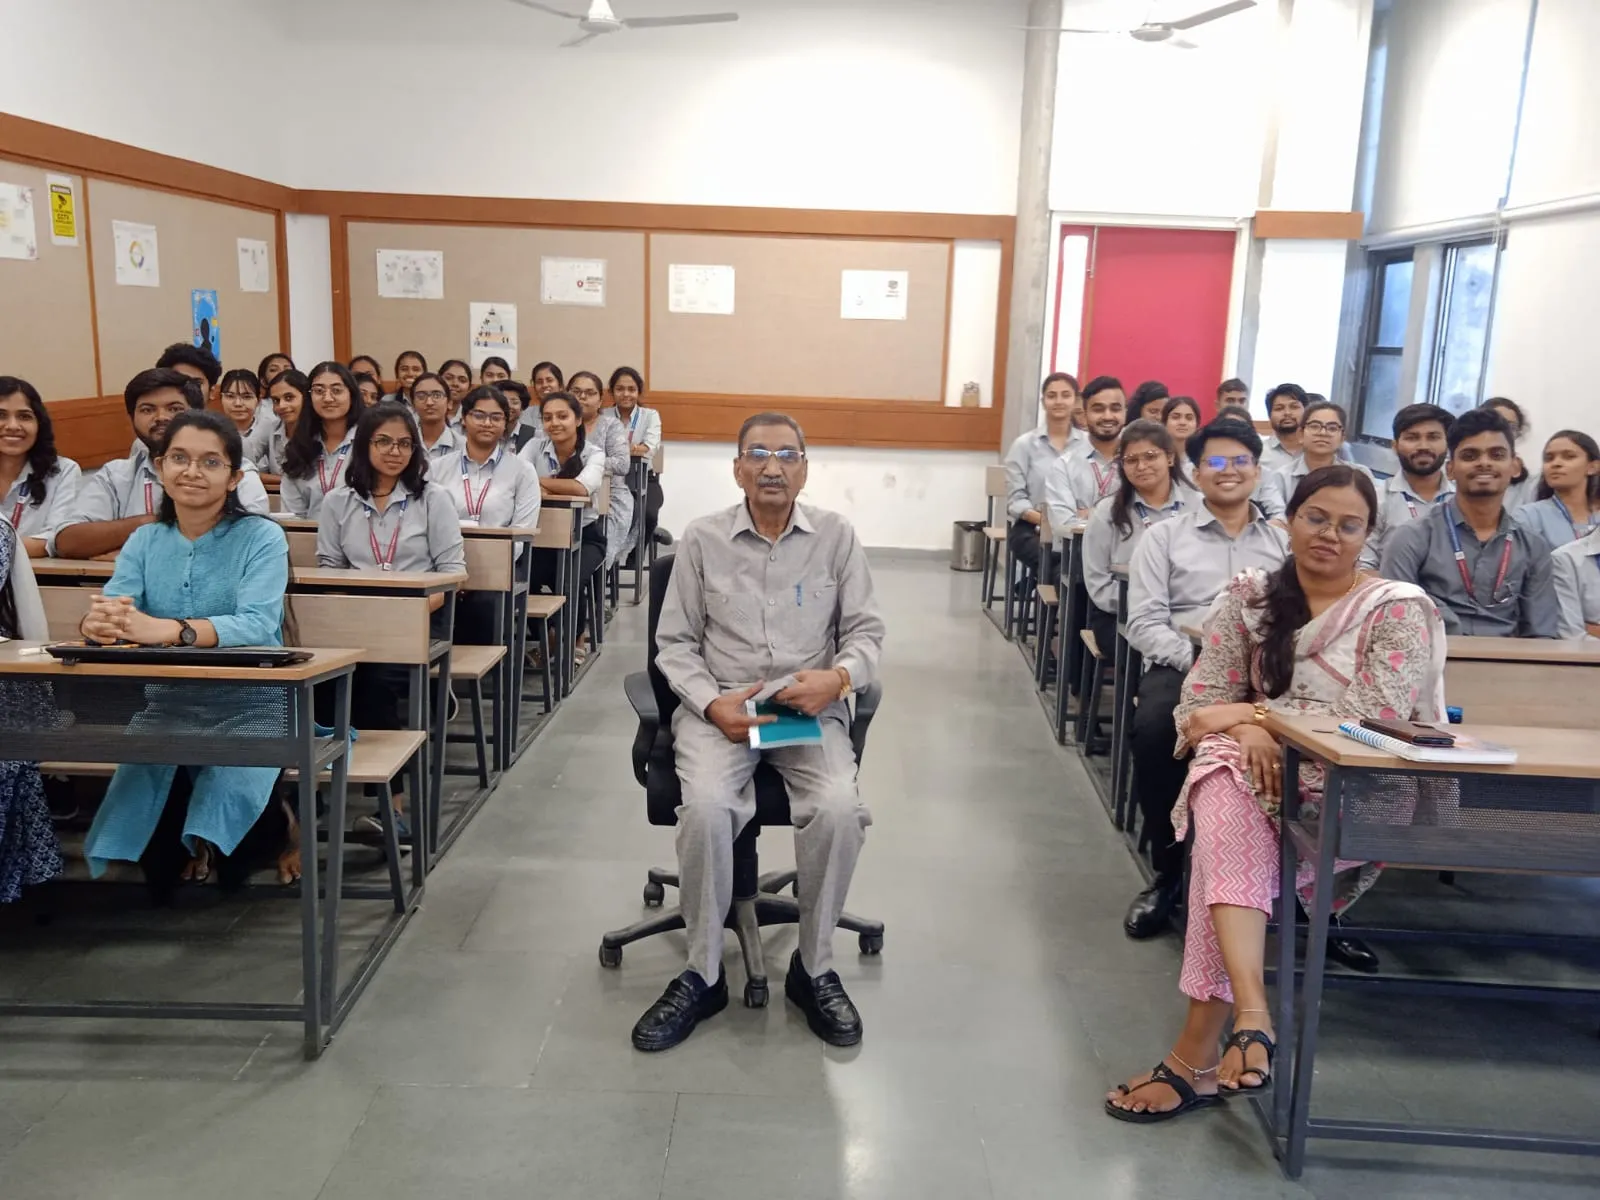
{"x":207,"y":329}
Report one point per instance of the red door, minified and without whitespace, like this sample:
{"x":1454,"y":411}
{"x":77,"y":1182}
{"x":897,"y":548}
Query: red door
{"x":1155,"y":306}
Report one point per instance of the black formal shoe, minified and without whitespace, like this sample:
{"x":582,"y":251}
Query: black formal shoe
{"x":829,"y":1012}
{"x":1151,"y":911}
{"x":1351,"y":952}
{"x":687,"y":1001}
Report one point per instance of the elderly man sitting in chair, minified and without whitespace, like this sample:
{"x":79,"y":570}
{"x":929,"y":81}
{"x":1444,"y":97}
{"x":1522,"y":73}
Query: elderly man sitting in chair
{"x":768,"y":590}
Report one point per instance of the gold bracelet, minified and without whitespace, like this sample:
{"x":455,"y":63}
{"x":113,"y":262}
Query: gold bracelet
{"x":1261,"y":711}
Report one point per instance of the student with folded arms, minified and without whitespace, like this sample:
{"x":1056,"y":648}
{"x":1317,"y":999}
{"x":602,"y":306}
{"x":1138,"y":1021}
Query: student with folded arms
{"x":1489,"y":575}
{"x":126,"y":494}
{"x":1029,"y":459}
{"x":1087,"y":473}
{"x":1575,"y":572}
{"x":1568,"y":504}
{"x":430,"y":400}
{"x":320,"y":448}
{"x":601,"y":428}
{"x":38,"y":488}
{"x":643,"y":427}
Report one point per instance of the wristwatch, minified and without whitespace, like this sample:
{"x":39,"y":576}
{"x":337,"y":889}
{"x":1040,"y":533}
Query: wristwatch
{"x":186,"y":634}
{"x":844,"y":690}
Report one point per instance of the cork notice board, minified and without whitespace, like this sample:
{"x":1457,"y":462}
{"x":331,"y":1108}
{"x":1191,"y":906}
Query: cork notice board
{"x":786,"y":337}
{"x":500,"y":264}
{"x":45,"y":319}
{"x":198,"y":242}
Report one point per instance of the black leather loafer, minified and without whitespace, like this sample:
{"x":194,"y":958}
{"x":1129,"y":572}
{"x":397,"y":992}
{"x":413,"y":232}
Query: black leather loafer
{"x":1351,"y":952}
{"x":828,"y":1010}
{"x":1150,"y":913}
{"x":686,"y":1002}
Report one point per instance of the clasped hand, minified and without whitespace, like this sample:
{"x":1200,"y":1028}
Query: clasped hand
{"x":810,"y":693}
{"x":115,"y":619}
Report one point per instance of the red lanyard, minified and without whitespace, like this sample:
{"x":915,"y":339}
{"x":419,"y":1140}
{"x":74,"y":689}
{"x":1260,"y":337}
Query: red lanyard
{"x":1461,"y":563}
{"x":16,"y":515}
{"x":386,"y":561}
{"x":149,"y":498}
{"x":475,"y":510}
{"x":1102,"y":482}
{"x":338,"y":461}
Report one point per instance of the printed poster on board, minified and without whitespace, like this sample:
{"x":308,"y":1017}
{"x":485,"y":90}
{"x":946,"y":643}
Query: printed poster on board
{"x":137,"y":254}
{"x":411,"y":274}
{"x":18,"y":236}
{"x":706,"y":290}
{"x":63,"y":210}
{"x":254,"y":266}
{"x":580,"y":281}
{"x":493,"y":330}
{"x":207,"y":328}
{"x":873,"y":295}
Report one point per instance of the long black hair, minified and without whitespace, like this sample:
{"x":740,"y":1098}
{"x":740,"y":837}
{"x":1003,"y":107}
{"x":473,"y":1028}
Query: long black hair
{"x":627,"y":373}
{"x":573,"y":467}
{"x":494,"y":360}
{"x":232,"y":447}
{"x":1156,"y":434}
{"x":1284,"y":607}
{"x":486,"y":391}
{"x":305,"y":446}
{"x":43,"y":458}
{"x":358,"y":473}
{"x":9,"y":622}
{"x":1590,"y":448}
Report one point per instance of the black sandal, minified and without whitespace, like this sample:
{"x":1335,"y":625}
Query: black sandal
{"x":1242,"y":1040}
{"x":1188,"y":1098}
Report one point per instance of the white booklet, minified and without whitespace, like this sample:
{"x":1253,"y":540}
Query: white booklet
{"x":1467,"y":749}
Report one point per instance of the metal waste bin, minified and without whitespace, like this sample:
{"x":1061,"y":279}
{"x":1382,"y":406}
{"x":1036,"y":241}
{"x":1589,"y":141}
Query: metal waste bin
{"x":966,"y":546}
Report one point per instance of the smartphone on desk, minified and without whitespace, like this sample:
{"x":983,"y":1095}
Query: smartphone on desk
{"x":1411,"y":732}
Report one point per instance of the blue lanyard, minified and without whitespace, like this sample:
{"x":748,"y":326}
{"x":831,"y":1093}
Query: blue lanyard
{"x":1589,"y":525}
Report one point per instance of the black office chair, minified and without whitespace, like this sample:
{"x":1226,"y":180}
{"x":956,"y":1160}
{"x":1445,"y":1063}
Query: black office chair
{"x":756,"y":899}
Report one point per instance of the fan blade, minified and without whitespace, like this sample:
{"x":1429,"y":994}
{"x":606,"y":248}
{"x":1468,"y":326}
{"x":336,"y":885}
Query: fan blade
{"x":1211,"y":14}
{"x":1056,"y":29}
{"x":661,"y":22}
{"x":553,"y":11}
{"x":578,"y":41}
{"x":1181,"y":43}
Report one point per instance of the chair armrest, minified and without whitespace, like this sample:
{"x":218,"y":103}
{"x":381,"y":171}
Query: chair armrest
{"x":643,"y":698}
{"x":867,"y":700}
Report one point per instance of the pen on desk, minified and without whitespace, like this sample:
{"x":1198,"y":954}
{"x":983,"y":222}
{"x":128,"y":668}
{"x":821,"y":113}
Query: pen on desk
{"x":797,"y":594}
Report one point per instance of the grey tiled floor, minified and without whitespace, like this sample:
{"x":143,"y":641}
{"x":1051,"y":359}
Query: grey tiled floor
{"x":490,"y":1058}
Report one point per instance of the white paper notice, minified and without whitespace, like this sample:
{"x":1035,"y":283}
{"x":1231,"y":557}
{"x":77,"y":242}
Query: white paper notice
{"x":693,"y":288}
{"x":873,"y":295}
{"x":19,"y":238}
{"x":254,"y":266}
{"x":573,"y":281}
{"x":493,"y":330}
{"x":411,"y":274}
{"x":137,"y":253}
{"x":63,"y":210}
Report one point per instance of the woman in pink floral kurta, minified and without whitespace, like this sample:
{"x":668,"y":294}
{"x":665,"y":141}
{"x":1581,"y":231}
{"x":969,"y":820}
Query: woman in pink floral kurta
{"x":1315,"y":637}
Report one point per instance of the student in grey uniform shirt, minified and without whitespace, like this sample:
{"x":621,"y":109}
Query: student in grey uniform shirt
{"x":766,"y":591}
{"x":320,"y":448}
{"x":1568,"y":504}
{"x":38,"y":487}
{"x":1029,"y":459}
{"x":1179,"y":567}
{"x":1524,"y":483}
{"x":430,"y":400}
{"x":1322,"y":426}
{"x":601,"y":428}
{"x":287,"y":394}
{"x":570,"y":471}
{"x":1152,"y":487}
{"x":1087,"y":473}
{"x":1421,"y":443}
{"x":457,"y":377}
{"x":125,"y":494}
{"x":1500,"y":586}
{"x":1575,"y":571}
{"x":250,"y":412}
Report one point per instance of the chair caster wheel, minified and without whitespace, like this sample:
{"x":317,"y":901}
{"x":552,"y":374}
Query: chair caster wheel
{"x":654,"y":894}
{"x":611,"y":956}
{"x":755,"y":994}
{"x":794,"y":889}
{"x":872,"y":943}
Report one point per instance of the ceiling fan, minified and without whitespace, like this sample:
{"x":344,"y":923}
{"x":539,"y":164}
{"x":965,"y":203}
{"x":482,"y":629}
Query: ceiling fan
{"x":1170,"y":32}
{"x":600,"y":19}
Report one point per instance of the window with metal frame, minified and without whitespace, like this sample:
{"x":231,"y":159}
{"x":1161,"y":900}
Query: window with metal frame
{"x":1461,"y":342}
{"x":1388,"y":315}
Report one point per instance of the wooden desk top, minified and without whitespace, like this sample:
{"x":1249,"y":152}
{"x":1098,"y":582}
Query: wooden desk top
{"x":1574,"y":651}
{"x":304,"y":524}
{"x":25,"y":658}
{"x":71,"y":568}
{"x":1571,"y":754}
{"x":423,"y":583}
{"x":509,"y":532}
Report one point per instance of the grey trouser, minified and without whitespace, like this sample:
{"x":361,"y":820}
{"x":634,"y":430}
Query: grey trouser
{"x":830,"y":824}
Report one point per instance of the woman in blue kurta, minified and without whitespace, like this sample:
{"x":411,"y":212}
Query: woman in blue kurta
{"x":205,"y":573}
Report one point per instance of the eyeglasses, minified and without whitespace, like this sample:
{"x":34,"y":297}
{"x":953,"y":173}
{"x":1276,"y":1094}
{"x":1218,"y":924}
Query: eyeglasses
{"x":584,"y":393}
{"x":1143,"y":460}
{"x":760,"y":455}
{"x":430,"y":396}
{"x":1221,"y":462}
{"x":1350,"y":529}
{"x":239,"y":397}
{"x":1322,"y":427}
{"x":321,"y":391}
{"x":486,"y":417}
{"x":385,"y":443}
{"x":211,"y":464}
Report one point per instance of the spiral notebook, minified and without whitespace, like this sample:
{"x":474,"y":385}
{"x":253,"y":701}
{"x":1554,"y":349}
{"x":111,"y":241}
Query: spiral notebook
{"x":1467,"y":749}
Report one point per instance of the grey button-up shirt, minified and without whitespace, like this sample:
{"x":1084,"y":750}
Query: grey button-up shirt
{"x":1276,"y":488}
{"x":1105,"y":546}
{"x":1027,"y":462}
{"x":45,"y":519}
{"x":1079,"y":479}
{"x":1551,"y":522}
{"x":1180,"y":567}
{"x":742,"y":610}
{"x":130,"y":487}
{"x":1575,"y":571}
{"x":416,"y":532}
{"x":1398,"y":506}
{"x":1524,"y":605}
{"x":1275,"y":458}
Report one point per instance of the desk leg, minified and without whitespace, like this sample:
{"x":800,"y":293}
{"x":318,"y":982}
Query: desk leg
{"x":333,"y":885}
{"x":1316,"y":967}
{"x":310,"y":950}
{"x":441,"y":713}
{"x":416,"y":718}
{"x":1288,"y":864}
{"x":503,"y":676}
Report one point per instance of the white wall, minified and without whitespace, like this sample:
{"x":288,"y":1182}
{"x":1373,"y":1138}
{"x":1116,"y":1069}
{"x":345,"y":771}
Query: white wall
{"x":974,"y":311}
{"x":191,"y":78}
{"x":1558,"y":152}
{"x":310,"y":288}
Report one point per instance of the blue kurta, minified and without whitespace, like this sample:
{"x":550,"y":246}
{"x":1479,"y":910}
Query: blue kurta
{"x":234,"y":576}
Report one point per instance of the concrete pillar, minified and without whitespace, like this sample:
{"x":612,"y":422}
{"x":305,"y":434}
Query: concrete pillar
{"x":1030,"y":278}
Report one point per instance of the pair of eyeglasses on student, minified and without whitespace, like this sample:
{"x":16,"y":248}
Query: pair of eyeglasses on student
{"x":482,"y":417}
{"x":760,"y":455}
{"x":211,"y":464}
{"x":430,"y":396}
{"x":384,"y":442}
{"x":1221,"y":462}
{"x":1350,"y":529}
{"x":1144,"y":460}
{"x":1322,"y":427}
